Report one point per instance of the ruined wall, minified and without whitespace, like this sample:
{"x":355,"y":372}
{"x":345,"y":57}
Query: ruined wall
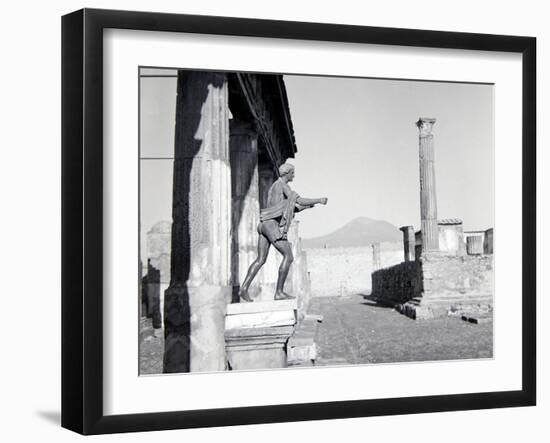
{"x":469,"y":276}
{"x":437,"y":279}
{"x":398,"y":283}
{"x":346,"y":271}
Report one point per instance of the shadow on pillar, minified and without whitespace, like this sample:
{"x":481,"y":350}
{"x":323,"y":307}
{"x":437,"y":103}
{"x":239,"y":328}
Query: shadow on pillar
{"x":177,"y":311}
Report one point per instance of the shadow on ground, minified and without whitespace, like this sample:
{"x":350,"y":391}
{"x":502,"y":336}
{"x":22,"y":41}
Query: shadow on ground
{"x":53,"y":417}
{"x":372,"y":300}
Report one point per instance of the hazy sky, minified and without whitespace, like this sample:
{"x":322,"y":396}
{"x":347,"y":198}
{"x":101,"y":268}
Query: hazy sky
{"x":357,"y":145}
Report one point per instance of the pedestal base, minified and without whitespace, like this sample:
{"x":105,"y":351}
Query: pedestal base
{"x":256,"y":334}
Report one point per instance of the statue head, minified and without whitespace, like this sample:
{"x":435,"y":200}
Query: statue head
{"x":286,"y":172}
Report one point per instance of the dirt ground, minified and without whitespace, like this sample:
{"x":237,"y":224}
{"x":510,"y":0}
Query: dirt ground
{"x":357,"y":331}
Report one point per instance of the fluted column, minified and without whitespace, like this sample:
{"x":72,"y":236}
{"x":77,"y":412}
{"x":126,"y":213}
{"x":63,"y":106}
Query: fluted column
{"x":245,"y":200}
{"x":428,"y":200}
{"x":201,"y":220}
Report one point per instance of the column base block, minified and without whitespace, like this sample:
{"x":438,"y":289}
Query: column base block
{"x":256,"y":334}
{"x":194,"y":328}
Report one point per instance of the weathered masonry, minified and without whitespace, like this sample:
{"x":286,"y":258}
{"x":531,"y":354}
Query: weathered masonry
{"x":444,"y":271}
{"x":232,"y":131}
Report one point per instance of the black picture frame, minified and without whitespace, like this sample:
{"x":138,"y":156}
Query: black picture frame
{"x":82,"y":216}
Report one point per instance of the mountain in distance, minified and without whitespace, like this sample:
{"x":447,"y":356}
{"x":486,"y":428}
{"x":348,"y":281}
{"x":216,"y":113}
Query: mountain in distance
{"x":361,"y":231}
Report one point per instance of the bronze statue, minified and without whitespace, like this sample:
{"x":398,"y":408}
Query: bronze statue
{"x":275,"y":219}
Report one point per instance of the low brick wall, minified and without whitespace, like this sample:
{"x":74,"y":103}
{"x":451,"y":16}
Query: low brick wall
{"x":347,"y":271}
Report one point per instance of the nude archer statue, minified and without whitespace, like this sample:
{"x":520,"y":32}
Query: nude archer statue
{"x":275,"y":220}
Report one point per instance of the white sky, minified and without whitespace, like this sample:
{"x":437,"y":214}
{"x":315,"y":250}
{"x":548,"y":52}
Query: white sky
{"x":357,"y":145}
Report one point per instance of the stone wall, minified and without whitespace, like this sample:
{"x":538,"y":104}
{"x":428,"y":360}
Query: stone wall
{"x":469,"y":276}
{"x":397,"y":284}
{"x":346,"y":271}
{"x":438,"y":281}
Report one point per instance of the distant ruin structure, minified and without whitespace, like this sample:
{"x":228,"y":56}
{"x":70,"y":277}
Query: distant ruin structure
{"x":409,"y":243}
{"x":450,"y":271}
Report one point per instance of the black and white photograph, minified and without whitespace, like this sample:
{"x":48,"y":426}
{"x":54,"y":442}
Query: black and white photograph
{"x":272,"y":222}
{"x":308,"y":221}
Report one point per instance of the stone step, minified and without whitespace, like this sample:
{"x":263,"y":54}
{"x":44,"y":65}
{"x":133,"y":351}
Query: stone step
{"x":260,"y":319}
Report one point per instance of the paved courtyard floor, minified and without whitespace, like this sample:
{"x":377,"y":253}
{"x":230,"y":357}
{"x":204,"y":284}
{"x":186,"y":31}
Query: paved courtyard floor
{"x":357,"y":331}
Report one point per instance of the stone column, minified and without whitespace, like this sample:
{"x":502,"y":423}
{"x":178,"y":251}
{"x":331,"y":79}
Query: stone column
{"x":245,"y":201}
{"x":195,"y":302}
{"x":376,"y":263}
{"x":428,"y":201}
{"x":408,"y":242}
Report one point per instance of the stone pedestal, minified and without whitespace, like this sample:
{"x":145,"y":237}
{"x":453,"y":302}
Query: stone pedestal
{"x":256,"y":334}
{"x":201,"y":229}
{"x":450,"y":284}
{"x":428,"y":200}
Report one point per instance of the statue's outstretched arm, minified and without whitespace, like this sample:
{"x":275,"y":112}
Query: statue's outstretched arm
{"x":311,"y":201}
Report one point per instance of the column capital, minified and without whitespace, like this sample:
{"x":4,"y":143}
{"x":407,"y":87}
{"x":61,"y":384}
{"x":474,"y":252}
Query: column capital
{"x":425,"y":126}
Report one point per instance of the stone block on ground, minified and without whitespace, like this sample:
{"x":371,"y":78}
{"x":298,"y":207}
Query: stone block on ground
{"x":477,"y":319}
{"x":257,"y":348}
